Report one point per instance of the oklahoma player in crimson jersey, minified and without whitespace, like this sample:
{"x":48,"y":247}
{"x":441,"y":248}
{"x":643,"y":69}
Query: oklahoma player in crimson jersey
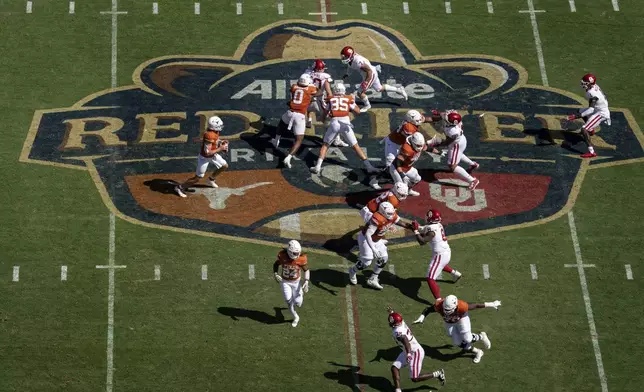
{"x":294,"y":119}
{"x":395,"y":195}
{"x":455,"y":313}
{"x":434,"y":234}
{"x":292,"y":261}
{"x":340,"y":106}
{"x":372,"y":245}
{"x":412,"y":353}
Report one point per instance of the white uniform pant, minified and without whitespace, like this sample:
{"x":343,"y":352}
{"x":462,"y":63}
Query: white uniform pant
{"x":391,"y":151}
{"x":366,"y":254}
{"x":295,"y":121}
{"x":456,"y":150}
{"x":373,"y":82}
{"x":366,"y":214}
{"x":292,"y":291}
{"x":460,"y":332}
{"x":202,"y":163}
{"x":438,"y":262}
{"x":340,"y":126}
{"x":596,"y":119}
{"x":411,"y":178}
{"x":416,"y":364}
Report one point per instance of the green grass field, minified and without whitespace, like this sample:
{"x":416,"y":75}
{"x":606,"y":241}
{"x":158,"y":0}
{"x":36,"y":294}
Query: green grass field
{"x":184,"y":333}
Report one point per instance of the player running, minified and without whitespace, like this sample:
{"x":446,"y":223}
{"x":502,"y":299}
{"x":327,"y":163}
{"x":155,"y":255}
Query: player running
{"x":292,"y":261}
{"x":596,"y":113}
{"x":456,"y":316}
{"x":412,"y":353}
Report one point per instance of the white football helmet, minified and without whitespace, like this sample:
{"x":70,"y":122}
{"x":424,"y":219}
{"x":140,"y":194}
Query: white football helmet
{"x":339,"y":89}
{"x":449,"y":304}
{"x":417,"y":141}
{"x":215,"y":124}
{"x":294,"y":249}
{"x":414,"y":117}
{"x":305,"y":80}
{"x":401,"y":190}
{"x":387,"y":210}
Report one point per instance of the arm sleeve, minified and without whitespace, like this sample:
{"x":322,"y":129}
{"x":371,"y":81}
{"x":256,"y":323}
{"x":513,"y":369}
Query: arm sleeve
{"x":371,"y":230}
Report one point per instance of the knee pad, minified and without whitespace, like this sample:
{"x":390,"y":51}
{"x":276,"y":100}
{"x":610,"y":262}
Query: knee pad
{"x":465,"y":345}
{"x":363,"y":263}
{"x":381,"y":262}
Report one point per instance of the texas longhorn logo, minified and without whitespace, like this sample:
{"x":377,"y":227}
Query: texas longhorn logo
{"x":137,"y":140}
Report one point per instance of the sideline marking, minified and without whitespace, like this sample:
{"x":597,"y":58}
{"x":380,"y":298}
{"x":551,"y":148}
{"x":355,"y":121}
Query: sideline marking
{"x":155,"y":8}
{"x":582,"y":265}
{"x":251,"y":271}
{"x":629,"y":272}
{"x":63,"y":273}
{"x":537,"y":42}
{"x":29,"y":7}
{"x":364,"y":8}
{"x":113,"y":13}
{"x":406,"y":8}
{"x":16,"y":273}
{"x":533,"y":271}
{"x":204,"y":272}
{"x":615,"y":5}
{"x":157,"y":272}
{"x":280,"y":8}
{"x":72,"y":7}
{"x":486,"y":271}
{"x":239,"y":8}
{"x":197,"y":8}
{"x":530,"y":11}
{"x":572,"y":6}
{"x":589,"y":309}
{"x":448,"y":7}
{"x":490,"y":7}
{"x":110,"y":267}
{"x":352,"y":315}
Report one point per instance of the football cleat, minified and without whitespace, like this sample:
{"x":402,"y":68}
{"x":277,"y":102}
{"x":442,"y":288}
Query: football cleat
{"x":413,"y":193}
{"x":315,"y":170}
{"x":473,"y":167}
{"x":212,"y":183}
{"x":589,"y":155}
{"x":441,"y":376}
{"x":486,"y":340}
{"x":296,"y":320}
{"x":479,"y":355}
{"x":458,"y":277}
{"x":373,"y":182}
{"x":287,"y":162}
{"x":353,"y":276}
{"x":179,"y":191}
{"x":420,"y":319}
{"x":474,"y":184}
{"x":373,"y":282}
{"x":365,"y":108}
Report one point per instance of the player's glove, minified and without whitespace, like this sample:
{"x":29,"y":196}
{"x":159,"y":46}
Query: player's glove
{"x":415,"y":226}
{"x":494,"y":304}
{"x":436,"y":115}
{"x":305,"y":286}
{"x":278,"y":278}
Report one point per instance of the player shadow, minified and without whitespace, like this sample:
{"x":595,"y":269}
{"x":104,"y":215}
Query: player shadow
{"x":255,"y":315}
{"x":409,"y":287}
{"x":360,"y":199}
{"x":161,"y":185}
{"x":350,"y":377}
{"x":390,"y":354}
{"x":329,"y":279}
{"x":342,"y":246}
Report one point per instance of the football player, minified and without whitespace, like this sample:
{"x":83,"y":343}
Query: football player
{"x":412,"y":353}
{"x":596,"y":113}
{"x":294,"y":119}
{"x":395,"y":195}
{"x":403,"y":168}
{"x":434,"y":234}
{"x":292,"y":260}
{"x":322,"y":80}
{"x":372,"y":244}
{"x":356,"y":62}
{"x":211,"y":147}
{"x":456,"y":143}
{"x":340,"y":106}
{"x":455,"y":313}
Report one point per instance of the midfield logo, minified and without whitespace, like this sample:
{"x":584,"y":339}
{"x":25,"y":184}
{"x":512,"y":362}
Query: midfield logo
{"x":135,"y":140}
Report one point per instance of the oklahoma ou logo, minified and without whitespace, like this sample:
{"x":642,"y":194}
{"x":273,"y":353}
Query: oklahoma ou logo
{"x":136,"y":140}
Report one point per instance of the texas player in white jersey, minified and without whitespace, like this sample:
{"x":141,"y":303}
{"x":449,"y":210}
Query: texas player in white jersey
{"x":596,"y":112}
{"x":292,"y":261}
{"x":360,"y":63}
{"x":456,"y":316}
{"x":434,"y":234}
{"x":456,"y":144}
{"x":412,"y":353}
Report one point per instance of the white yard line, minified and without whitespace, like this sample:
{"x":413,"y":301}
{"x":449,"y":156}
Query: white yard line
{"x":490,"y":7}
{"x":586,"y":295}
{"x":63,"y":273}
{"x":533,"y":271}
{"x":155,"y":8}
{"x":448,"y":7}
{"x":239,"y":8}
{"x":486,"y":271}
{"x":615,"y":5}
{"x":323,"y":14}
{"x":572,"y":5}
{"x":197,"y":8}
{"x":157,"y":272}
{"x":351,"y":328}
{"x":537,"y":43}
{"x":406,"y":8}
{"x":280,"y":8}
{"x":364,"y":8}
{"x":72,"y":7}
{"x":629,"y":272}
{"x":16,"y":273}
{"x":251,"y":271}
{"x":29,"y":8}
{"x":204,"y":272}
{"x":380,"y":50}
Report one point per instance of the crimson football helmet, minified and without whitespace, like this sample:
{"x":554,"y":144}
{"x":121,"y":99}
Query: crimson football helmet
{"x":587,"y":81}
{"x":433,"y":216}
{"x":347,"y":54}
{"x":395,"y":319}
{"x":319,"y":66}
{"x":453,"y":118}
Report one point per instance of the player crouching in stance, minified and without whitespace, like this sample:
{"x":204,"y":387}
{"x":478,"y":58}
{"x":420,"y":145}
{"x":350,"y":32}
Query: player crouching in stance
{"x":434,"y":234}
{"x":456,"y":144}
{"x":596,"y":113}
{"x":412,"y":354}
{"x":292,"y":261}
{"x":457,"y":323}
{"x":356,"y":62}
{"x":294,"y":119}
{"x":395,"y":195}
{"x":340,"y":105}
{"x":372,"y":245}
{"x":211,"y":146}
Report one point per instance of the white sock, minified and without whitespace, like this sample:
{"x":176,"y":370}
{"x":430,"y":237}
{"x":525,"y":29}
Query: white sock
{"x":455,"y":273}
{"x":591,"y":149}
{"x":277,"y":138}
{"x":462,"y":173}
{"x":366,"y":101}
{"x":291,"y":308}
{"x":467,"y":160}
{"x":390,"y":88}
{"x":436,"y":374}
{"x":319,"y":163}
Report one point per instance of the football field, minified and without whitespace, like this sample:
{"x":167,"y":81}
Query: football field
{"x":110,"y":282}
